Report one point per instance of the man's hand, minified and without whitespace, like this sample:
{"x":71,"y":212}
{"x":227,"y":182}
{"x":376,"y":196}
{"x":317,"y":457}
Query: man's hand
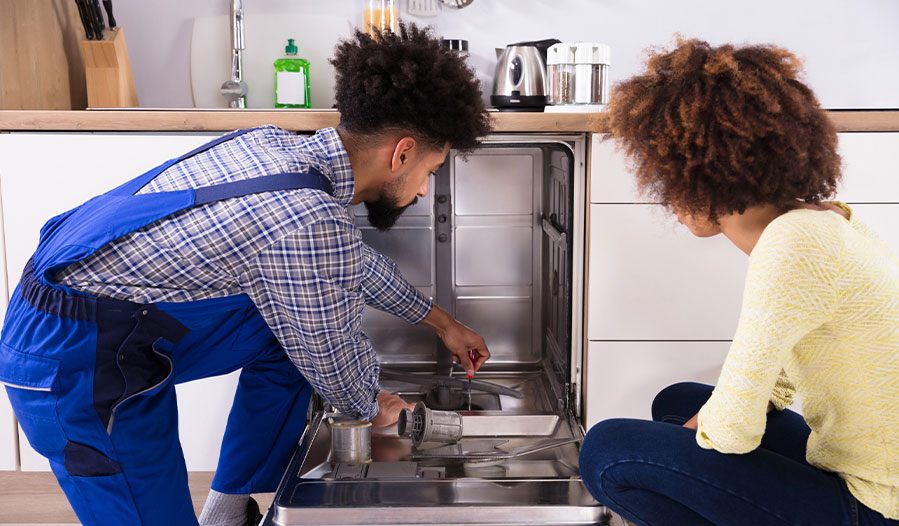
{"x":459,"y":339}
{"x":389,"y":407}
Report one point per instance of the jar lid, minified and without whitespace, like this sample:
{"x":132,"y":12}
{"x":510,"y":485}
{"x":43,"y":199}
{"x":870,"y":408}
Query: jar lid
{"x":560,"y":54}
{"x":592,"y":53}
{"x":455,"y":44}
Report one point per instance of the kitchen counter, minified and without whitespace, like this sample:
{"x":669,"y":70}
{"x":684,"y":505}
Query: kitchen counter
{"x":309,"y":120}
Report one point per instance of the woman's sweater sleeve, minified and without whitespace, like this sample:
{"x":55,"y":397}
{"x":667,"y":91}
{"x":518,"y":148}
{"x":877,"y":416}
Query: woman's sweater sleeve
{"x":790,"y":291}
{"x":784,"y":392}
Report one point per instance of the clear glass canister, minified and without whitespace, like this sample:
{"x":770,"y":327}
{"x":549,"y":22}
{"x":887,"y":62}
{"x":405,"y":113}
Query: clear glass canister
{"x":380,"y":15}
{"x":560,"y":74}
{"x":592,"y":61}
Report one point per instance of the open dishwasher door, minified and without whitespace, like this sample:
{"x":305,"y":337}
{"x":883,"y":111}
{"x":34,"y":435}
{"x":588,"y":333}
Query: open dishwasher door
{"x":498,"y":242}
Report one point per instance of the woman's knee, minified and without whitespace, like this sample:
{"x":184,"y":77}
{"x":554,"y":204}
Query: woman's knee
{"x":678,"y":402}
{"x":601,"y":448}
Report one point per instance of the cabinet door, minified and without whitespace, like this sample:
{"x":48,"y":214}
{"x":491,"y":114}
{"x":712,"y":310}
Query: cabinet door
{"x":7,"y":434}
{"x":869,"y":167}
{"x":43,"y":174}
{"x":7,"y":421}
{"x":651,"y":279}
{"x":624,"y":377}
{"x":611,"y":180}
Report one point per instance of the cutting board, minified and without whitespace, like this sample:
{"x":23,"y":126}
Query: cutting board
{"x":40,"y":63}
{"x":265,"y":36}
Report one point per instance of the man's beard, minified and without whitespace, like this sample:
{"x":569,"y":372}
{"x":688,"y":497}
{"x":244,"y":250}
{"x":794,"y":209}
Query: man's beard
{"x":384,"y":212}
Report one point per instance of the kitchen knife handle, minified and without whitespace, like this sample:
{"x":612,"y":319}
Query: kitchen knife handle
{"x":98,"y":17}
{"x":107,"y":4}
{"x":85,"y":21}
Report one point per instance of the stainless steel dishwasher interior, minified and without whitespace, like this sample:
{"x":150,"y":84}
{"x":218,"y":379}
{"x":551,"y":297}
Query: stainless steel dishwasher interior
{"x":497,"y":242}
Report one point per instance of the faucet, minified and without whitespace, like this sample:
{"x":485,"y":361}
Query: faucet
{"x":235,"y":89}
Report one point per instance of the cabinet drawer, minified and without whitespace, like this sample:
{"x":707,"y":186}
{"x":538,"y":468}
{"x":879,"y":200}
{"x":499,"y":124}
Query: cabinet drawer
{"x":624,"y":377}
{"x":870,"y":169}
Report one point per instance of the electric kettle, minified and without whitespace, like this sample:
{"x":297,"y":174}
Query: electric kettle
{"x":519,"y":83}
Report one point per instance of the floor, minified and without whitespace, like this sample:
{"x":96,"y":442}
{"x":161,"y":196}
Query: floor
{"x":35,"y":498}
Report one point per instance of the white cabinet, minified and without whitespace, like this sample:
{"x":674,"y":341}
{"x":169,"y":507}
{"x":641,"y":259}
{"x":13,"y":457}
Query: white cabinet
{"x":611,"y":180}
{"x":7,"y":435}
{"x":651,"y":279}
{"x":662,"y":304}
{"x":626,"y":376}
{"x":43,"y":174}
{"x":8,"y":448}
{"x":870,"y":161}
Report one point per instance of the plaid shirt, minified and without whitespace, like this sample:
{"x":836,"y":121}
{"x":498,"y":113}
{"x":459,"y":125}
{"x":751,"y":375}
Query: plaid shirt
{"x":296,"y":253}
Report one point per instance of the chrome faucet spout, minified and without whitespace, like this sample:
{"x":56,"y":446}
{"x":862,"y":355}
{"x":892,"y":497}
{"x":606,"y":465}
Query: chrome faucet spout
{"x":235,"y":89}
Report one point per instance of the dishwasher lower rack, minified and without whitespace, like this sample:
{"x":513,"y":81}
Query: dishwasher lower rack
{"x":393,"y":490}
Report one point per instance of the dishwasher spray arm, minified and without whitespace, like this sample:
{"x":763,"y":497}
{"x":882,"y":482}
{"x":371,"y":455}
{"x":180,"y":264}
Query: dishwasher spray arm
{"x":449,"y":381}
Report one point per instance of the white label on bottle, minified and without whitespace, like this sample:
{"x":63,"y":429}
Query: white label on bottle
{"x":291,"y":87}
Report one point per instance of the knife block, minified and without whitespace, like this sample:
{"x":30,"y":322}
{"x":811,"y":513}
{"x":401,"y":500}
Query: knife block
{"x":108,"y":71}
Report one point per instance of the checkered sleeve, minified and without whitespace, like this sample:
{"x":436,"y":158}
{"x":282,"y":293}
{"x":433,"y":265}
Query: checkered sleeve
{"x":386,"y":289}
{"x":307,"y":287}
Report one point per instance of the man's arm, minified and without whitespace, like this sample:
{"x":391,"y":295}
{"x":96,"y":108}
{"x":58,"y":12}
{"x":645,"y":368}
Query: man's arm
{"x":386,"y":289}
{"x":307,"y":288}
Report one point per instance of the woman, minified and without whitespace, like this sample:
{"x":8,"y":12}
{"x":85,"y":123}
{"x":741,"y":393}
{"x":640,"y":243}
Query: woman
{"x":733,"y":143}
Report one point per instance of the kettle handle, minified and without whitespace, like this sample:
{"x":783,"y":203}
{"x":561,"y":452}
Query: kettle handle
{"x":544,"y":45}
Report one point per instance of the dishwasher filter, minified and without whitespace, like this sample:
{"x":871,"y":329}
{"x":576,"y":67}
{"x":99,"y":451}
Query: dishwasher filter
{"x":426,"y":425}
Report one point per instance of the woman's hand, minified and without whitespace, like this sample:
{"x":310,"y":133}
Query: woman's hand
{"x":389,"y":407}
{"x":459,"y":339}
{"x":693,"y":423}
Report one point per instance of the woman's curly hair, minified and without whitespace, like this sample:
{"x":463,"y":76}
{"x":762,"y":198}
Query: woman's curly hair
{"x":408,"y":81}
{"x":714,"y":130}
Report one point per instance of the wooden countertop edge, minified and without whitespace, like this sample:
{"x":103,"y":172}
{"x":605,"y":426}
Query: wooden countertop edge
{"x":224,"y":120}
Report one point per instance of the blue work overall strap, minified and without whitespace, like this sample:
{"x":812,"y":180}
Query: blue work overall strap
{"x":77,"y":234}
{"x":133,"y":186}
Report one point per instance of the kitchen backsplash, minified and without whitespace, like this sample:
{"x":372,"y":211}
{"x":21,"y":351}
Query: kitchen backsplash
{"x":172,"y":42}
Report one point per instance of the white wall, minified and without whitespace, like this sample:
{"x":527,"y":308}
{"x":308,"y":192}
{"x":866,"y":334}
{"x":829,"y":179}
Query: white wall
{"x":851,"y":48}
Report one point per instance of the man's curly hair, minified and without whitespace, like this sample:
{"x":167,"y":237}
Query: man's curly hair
{"x":408,"y":81}
{"x":714,"y":130}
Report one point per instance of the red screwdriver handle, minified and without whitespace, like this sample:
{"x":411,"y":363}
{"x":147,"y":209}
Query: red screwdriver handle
{"x":473,"y":355}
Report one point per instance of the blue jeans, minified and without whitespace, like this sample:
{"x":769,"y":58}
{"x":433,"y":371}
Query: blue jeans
{"x":654,"y":473}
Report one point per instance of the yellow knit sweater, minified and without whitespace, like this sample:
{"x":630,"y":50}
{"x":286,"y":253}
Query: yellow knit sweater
{"x":820,"y":317}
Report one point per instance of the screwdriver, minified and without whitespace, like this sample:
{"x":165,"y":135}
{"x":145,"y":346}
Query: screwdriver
{"x":473,"y":356}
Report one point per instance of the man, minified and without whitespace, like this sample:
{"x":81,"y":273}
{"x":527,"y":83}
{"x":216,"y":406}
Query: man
{"x":240,"y":254}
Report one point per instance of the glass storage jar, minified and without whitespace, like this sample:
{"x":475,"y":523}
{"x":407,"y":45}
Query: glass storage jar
{"x":380,"y":15}
{"x":560,"y":74}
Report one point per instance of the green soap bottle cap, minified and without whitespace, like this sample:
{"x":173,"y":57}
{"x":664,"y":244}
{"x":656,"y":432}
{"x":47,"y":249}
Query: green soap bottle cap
{"x":290,"y":49}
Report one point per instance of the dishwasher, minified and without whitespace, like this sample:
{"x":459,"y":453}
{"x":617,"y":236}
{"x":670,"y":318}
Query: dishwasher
{"x":499,"y":243}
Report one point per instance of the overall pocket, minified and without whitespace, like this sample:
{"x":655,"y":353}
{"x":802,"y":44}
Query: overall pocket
{"x":31,"y":385}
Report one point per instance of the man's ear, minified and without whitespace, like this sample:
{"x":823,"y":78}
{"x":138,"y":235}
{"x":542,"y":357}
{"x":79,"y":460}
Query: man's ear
{"x":402,"y":153}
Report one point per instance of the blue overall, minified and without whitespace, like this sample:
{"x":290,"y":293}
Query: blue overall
{"x":92,"y":379}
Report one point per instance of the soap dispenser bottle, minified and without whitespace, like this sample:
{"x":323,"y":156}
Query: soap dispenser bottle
{"x":291,"y":79}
